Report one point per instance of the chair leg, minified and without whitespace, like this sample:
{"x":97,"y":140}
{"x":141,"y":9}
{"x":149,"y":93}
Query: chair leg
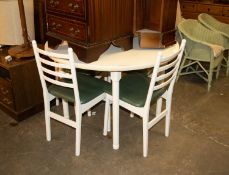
{"x":168,"y":114}
{"x":217,"y":71}
{"x":158,"y":106}
{"x":187,"y":69}
{"x":47,"y":120}
{"x":145,"y":136}
{"x":65,"y":109}
{"x":78,"y":130}
{"x":106,"y":117}
{"x":109,"y":118}
{"x":180,"y":69}
{"x":227,"y":71}
{"x":57,"y":102}
{"x":210,"y":78}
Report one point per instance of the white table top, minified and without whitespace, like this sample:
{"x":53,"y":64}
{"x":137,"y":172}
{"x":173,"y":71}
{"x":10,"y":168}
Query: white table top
{"x":116,"y":60}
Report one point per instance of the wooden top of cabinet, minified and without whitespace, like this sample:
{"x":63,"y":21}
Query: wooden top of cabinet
{"x":209,"y":2}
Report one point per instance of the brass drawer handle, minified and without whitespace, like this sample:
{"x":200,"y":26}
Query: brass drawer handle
{"x":73,"y":7}
{"x":58,"y":26}
{"x":76,"y":6}
{"x":77,"y":31}
{"x":73,"y":31}
{"x":55,"y":26}
{"x":54,"y":3}
{"x":70,"y":5}
{"x":7,"y":101}
{"x":4,"y":91}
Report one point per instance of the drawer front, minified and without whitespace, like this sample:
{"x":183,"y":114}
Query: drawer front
{"x":6,"y":93}
{"x":188,"y":7}
{"x":225,"y":11}
{"x":4,"y":73}
{"x":70,"y":28}
{"x":216,"y":10}
{"x":73,"y":7}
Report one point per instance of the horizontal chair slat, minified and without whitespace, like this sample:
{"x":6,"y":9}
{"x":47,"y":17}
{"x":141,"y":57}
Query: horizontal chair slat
{"x":52,"y":54}
{"x":167,"y":66}
{"x":164,"y":84}
{"x":57,"y":74}
{"x":59,"y":83}
{"x":53,"y":64}
{"x":166,"y":75}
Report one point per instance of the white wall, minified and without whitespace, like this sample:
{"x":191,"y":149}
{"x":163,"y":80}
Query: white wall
{"x":10,"y":24}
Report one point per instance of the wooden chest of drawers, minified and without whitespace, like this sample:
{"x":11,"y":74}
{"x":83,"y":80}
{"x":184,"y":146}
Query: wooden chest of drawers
{"x":20,"y":88}
{"x":158,"y":16}
{"x":191,"y":9}
{"x":226,"y":11}
{"x":213,"y":9}
{"x":90,"y":26}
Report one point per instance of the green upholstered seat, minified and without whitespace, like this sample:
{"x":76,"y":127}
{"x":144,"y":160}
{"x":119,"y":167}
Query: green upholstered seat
{"x":134,"y":89}
{"x":89,"y":88}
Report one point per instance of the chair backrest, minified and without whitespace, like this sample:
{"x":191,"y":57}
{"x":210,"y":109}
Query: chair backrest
{"x":194,"y":32}
{"x":165,"y":72}
{"x":46,"y":68}
{"x":213,"y":24}
{"x":192,"y":29}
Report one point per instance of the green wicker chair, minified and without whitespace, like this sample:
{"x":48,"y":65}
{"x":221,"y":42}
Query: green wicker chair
{"x":215,"y":25}
{"x":203,"y":51}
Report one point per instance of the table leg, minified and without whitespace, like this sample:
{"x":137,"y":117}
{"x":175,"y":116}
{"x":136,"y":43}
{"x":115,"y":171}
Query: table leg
{"x":115,"y":77}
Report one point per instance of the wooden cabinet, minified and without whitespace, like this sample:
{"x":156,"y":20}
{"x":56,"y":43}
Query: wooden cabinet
{"x":90,"y":26}
{"x":40,"y":21}
{"x":218,"y":9}
{"x":159,"y":16}
{"x":226,"y":11}
{"x":20,"y":88}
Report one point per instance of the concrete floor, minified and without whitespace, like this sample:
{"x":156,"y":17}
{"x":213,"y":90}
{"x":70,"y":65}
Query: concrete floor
{"x":198,"y":143}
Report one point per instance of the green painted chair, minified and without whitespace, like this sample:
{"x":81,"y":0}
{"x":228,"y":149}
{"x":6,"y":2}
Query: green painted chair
{"x":203,"y":51}
{"x":222,"y":28}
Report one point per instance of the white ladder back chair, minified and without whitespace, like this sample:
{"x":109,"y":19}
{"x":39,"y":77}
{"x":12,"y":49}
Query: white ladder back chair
{"x":138,"y":92}
{"x":63,"y":49}
{"x":66,"y":85}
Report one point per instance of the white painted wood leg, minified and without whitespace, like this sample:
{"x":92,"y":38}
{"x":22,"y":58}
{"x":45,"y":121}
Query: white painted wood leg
{"x":47,"y":120}
{"x":168,"y":114}
{"x":115,"y":77}
{"x":145,"y":136}
{"x":57,"y":102}
{"x":158,"y":106}
{"x":106,"y":117}
{"x":109,"y":118}
{"x":78,"y":131}
{"x":65,"y":109}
